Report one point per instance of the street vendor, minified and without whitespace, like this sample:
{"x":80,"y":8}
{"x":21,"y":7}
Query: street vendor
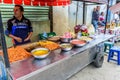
{"x":19,"y":28}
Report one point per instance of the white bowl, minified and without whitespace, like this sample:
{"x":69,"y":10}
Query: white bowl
{"x":40,"y":56}
{"x":66,"y":46}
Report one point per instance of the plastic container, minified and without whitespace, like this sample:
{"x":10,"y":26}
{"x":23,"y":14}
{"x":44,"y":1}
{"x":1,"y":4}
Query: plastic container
{"x":44,"y":36}
{"x":41,"y":37}
{"x":79,"y":35}
{"x":77,"y":28}
{"x":51,"y":34}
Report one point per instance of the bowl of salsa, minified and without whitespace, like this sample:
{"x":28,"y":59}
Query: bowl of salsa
{"x":78,"y":43}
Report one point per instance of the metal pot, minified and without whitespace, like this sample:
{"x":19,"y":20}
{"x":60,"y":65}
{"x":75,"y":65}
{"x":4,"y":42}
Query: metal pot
{"x":65,"y":39}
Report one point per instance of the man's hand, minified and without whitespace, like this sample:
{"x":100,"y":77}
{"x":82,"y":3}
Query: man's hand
{"x":18,"y":39}
{"x":26,"y":39}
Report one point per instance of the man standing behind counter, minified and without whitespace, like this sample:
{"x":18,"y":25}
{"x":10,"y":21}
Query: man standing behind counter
{"x":19,"y":28}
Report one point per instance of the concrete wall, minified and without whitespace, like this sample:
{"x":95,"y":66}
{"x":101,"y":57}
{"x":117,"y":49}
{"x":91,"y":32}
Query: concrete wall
{"x":73,"y":14}
{"x":60,"y":19}
{"x":40,"y":27}
{"x":64,"y":18}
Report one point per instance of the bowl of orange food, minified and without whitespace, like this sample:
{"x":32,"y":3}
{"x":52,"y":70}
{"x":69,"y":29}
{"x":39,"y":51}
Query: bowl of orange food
{"x":40,"y":53}
{"x":78,"y":43}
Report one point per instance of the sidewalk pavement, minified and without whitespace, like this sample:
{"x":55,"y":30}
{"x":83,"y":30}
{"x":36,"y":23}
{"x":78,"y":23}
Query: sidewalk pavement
{"x":109,"y":71}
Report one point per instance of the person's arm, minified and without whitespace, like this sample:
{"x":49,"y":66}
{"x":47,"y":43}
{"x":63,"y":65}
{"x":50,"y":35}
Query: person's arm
{"x":100,"y":18}
{"x":9,"y":31}
{"x":18,"y":39}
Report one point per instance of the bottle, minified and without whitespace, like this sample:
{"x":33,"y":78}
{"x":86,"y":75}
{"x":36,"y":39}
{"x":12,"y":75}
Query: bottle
{"x":78,"y":34}
{"x":77,"y":28}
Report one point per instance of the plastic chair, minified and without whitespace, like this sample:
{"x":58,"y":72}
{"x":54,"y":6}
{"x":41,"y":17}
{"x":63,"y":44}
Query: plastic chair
{"x":109,"y":45}
{"x":111,"y":54}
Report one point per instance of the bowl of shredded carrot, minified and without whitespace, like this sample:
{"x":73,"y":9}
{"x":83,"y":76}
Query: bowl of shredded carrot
{"x":17,"y":53}
{"x":40,"y":53}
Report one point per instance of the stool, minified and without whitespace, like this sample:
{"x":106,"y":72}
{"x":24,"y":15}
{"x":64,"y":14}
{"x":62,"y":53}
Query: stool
{"x":108,"y":44}
{"x":111,"y":54}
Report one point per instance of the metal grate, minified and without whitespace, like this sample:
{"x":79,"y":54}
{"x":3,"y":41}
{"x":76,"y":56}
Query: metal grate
{"x":34,"y":13}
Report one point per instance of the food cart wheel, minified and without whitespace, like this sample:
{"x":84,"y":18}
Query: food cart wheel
{"x":99,"y":60}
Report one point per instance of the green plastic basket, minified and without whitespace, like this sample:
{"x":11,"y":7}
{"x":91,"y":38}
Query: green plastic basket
{"x":51,"y":34}
{"x":41,"y":37}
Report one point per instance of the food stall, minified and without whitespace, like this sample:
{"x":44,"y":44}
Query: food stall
{"x":59,"y":64}
{"x":116,"y":26}
{"x":112,"y":27}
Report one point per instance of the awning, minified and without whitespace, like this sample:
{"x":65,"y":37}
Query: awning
{"x":94,"y":1}
{"x":115,"y":8}
{"x":37,"y":2}
{"x":98,"y":1}
{"x":53,"y":2}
